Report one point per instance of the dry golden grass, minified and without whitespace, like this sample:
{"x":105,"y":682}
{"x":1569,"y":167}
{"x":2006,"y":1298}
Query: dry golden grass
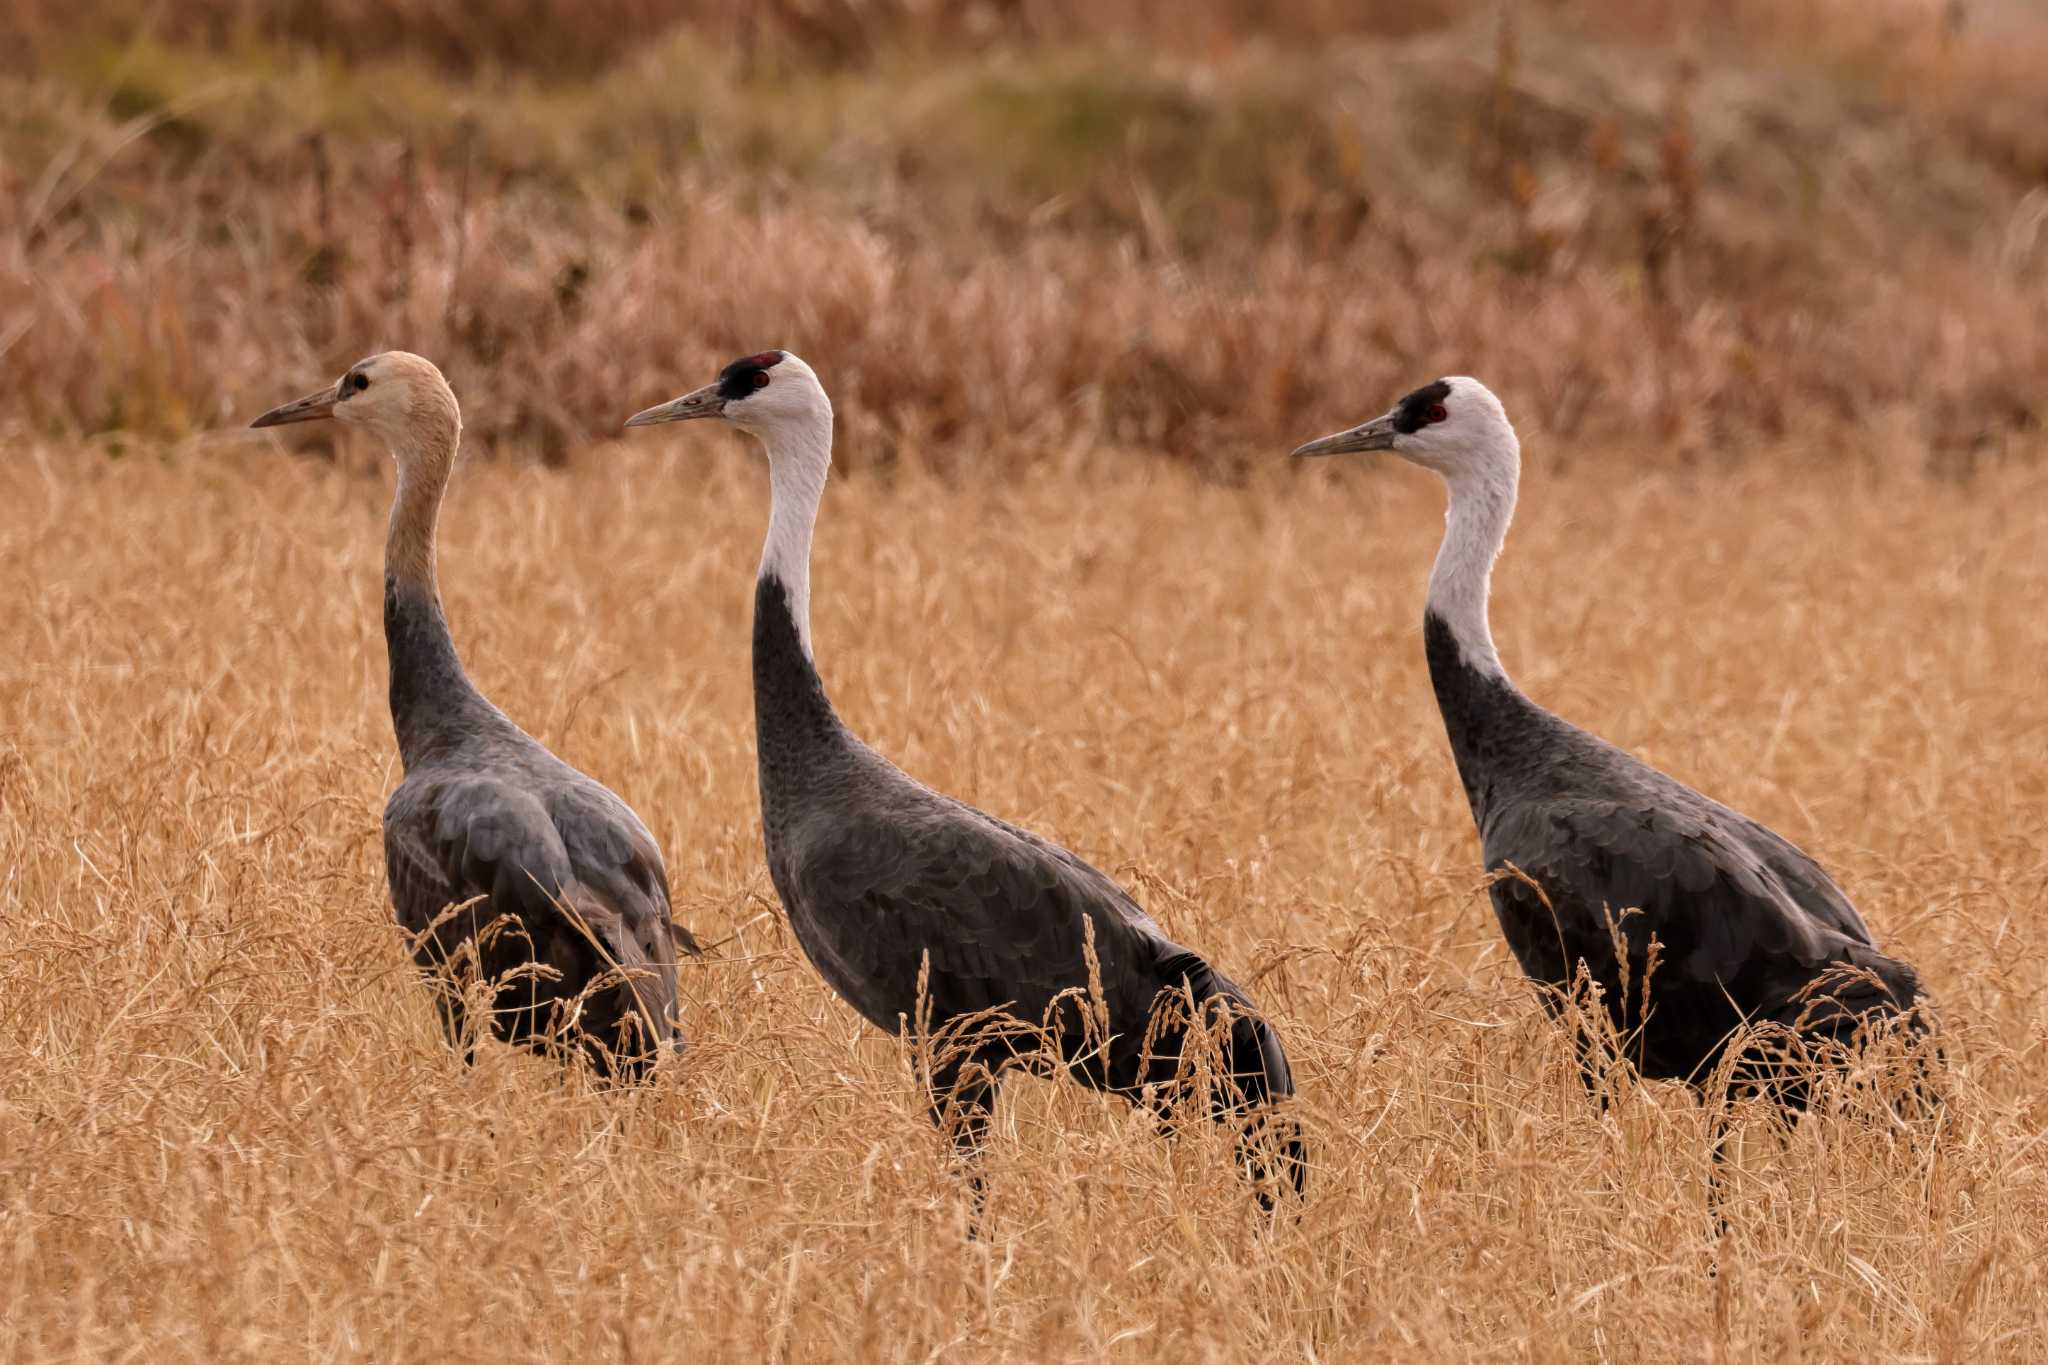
{"x":228,"y":1127}
{"x":1746,"y":275}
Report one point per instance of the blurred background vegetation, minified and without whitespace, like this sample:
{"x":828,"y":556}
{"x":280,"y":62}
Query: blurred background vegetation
{"x":1018,"y":231}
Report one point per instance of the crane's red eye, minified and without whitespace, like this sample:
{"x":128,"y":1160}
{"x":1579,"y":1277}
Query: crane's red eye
{"x":1437,"y":413}
{"x":760,"y":379}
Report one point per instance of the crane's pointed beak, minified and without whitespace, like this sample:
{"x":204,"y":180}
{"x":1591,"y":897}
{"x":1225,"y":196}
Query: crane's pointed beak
{"x":311,"y":408}
{"x":1378,"y":434}
{"x":704,"y":402}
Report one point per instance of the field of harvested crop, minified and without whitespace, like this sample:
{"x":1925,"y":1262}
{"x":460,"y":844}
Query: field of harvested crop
{"x":1763,"y":284}
{"x":231,"y":1128}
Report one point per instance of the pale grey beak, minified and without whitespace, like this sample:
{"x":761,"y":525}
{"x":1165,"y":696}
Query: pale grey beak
{"x":1378,"y":434}
{"x":311,"y":408}
{"x":704,"y":402}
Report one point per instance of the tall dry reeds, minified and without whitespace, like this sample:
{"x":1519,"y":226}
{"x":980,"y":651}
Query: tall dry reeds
{"x":1760,"y":282}
{"x":229,"y":1127}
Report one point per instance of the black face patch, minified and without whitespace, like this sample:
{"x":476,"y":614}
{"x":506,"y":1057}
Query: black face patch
{"x":737,"y":380}
{"x":1412,"y":413}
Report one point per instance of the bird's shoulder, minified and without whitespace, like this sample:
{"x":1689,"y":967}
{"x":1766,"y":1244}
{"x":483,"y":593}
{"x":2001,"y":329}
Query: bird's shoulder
{"x":452,"y":833}
{"x":1639,"y":840}
{"x":931,"y":851}
{"x":459,"y":827}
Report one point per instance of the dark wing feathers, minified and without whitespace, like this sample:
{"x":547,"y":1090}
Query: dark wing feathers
{"x":533,"y":846}
{"x":1724,"y":896}
{"x":448,"y":841}
{"x":999,"y":914}
{"x":1805,"y":879}
{"x":498,"y":837}
{"x":612,"y":852}
{"x":1258,"y":1063}
{"x":420,"y":881}
{"x":1084,"y":877}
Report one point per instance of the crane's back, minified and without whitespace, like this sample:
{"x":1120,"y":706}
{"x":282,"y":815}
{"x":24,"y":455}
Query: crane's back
{"x":1692,"y":919}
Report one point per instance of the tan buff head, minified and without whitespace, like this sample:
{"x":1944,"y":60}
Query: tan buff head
{"x":397,"y":395}
{"x":403,"y":399}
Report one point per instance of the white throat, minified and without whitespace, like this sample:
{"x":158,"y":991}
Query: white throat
{"x":1482,"y":504}
{"x":798,"y":462}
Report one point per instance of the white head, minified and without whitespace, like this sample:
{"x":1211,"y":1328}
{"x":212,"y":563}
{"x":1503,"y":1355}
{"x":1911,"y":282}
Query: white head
{"x":1459,"y":429}
{"x":777,"y":399}
{"x":1454,"y":426}
{"x":773,"y":396}
{"x":397,"y":395}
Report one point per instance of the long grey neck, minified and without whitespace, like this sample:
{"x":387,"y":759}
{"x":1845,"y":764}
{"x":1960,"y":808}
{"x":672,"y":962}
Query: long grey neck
{"x":1481,"y":506}
{"x":430,"y":693}
{"x":795,"y":728}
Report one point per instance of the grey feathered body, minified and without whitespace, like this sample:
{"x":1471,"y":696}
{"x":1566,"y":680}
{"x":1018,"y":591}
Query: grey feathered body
{"x":485,"y":811}
{"x":879,"y":875}
{"x":1748,"y":927}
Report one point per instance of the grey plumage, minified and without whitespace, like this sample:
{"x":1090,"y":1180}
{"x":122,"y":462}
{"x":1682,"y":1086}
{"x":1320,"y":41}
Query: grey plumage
{"x":929,"y":916}
{"x":1748,"y":931}
{"x":908,"y":900}
{"x":502,"y":859}
{"x":574,"y":920}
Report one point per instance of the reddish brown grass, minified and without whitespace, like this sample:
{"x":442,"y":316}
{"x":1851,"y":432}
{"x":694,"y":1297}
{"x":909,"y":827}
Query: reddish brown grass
{"x":1026,"y":250}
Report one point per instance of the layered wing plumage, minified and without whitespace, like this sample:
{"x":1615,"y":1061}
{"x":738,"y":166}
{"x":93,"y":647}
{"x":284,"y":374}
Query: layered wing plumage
{"x":1002,"y":917}
{"x":571,"y":864}
{"x":1746,"y":925}
{"x":988,"y":918}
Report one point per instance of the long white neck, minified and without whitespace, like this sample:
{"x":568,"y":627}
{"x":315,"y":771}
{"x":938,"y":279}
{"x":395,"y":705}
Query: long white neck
{"x":798,"y":462}
{"x":1481,"y":506}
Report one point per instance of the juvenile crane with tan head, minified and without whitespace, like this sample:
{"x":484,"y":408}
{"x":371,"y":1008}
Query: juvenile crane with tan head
{"x":921,"y":911}
{"x":501,"y":857}
{"x":1698,"y":925}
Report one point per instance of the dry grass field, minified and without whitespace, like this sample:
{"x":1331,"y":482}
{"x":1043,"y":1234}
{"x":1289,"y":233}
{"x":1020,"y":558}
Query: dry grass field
{"x":231,"y":1129}
{"x":1764,"y":284}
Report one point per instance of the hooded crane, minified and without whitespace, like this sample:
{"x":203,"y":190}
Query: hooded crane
{"x":496,"y":848}
{"x":923,"y":912}
{"x":1747,"y":929}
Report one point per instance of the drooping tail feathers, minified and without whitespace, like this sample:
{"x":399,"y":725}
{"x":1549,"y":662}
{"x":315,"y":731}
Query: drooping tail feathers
{"x":1257,"y":1074}
{"x":1846,"y":1006}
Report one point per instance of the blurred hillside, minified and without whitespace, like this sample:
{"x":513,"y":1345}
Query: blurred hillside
{"x":1031,"y":229}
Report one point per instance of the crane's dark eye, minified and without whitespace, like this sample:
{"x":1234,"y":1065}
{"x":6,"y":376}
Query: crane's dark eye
{"x":362,"y":381}
{"x":760,"y":379}
{"x":1437,"y":413}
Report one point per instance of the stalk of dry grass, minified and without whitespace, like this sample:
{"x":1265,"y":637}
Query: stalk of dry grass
{"x":228,"y":1128}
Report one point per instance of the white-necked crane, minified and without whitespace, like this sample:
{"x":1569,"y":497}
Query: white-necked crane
{"x":1748,"y":930}
{"x":923,"y":912}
